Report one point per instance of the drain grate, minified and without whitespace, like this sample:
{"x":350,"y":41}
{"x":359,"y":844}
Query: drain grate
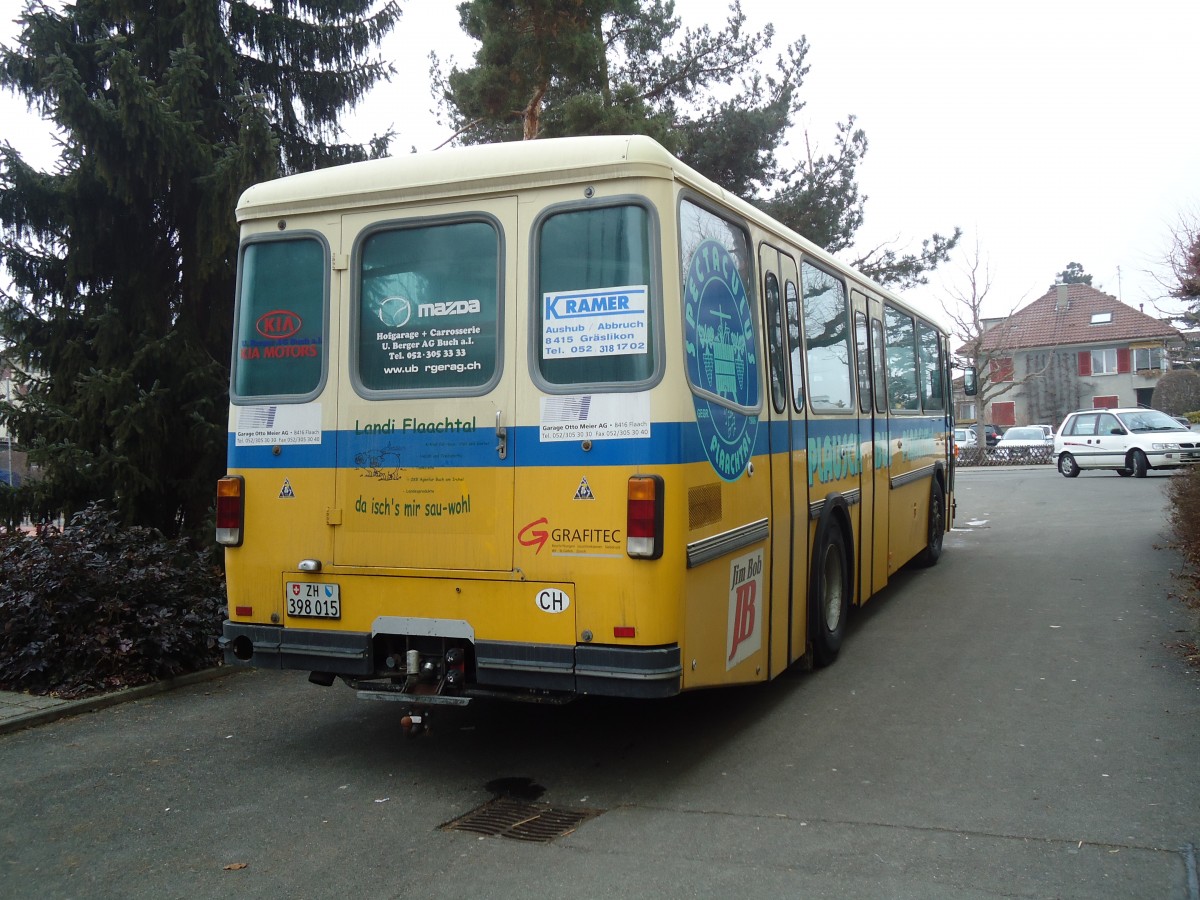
{"x":521,"y":821}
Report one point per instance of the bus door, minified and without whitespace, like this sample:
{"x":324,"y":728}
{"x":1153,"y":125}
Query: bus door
{"x":425,"y":469}
{"x":789,"y":479}
{"x":873,"y":536}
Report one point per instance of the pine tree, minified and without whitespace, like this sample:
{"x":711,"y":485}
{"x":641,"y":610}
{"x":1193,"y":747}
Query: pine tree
{"x":1073,"y":274}
{"x":550,"y":68}
{"x":122,"y":259}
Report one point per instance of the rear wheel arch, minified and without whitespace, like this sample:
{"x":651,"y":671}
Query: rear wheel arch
{"x":935,"y":525}
{"x":831,"y":581}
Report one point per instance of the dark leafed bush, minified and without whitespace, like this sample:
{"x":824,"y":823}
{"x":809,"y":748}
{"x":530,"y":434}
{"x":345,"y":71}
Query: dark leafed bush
{"x":102,"y":605}
{"x":1184,"y":496}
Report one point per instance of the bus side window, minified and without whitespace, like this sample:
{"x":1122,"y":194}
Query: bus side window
{"x":775,"y":342}
{"x":879,"y":366}
{"x":931,"y":368}
{"x":903,"y":391}
{"x":864,"y":362}
{"x":792,"y":308}
{"x":827,"y":339}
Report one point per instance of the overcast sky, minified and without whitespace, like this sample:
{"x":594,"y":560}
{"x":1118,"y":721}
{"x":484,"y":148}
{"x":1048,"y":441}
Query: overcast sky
{"x":1050,"y":131}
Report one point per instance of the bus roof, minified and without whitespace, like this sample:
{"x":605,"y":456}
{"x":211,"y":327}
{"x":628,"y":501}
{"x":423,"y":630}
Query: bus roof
{"x":463,"y":170}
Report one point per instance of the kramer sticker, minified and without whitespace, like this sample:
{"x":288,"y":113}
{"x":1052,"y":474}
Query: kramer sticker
{"x":608,"y":321}
{"x":744,"y":632}
{"x":583,"y":492}
{"x":286,"y":492}
{"x":721,"y":358}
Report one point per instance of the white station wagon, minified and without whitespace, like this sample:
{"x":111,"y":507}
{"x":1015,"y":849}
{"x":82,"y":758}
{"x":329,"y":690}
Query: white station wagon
{"x":1128,"y":441}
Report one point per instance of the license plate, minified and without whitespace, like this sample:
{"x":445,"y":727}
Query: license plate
{"x":308,"y":599}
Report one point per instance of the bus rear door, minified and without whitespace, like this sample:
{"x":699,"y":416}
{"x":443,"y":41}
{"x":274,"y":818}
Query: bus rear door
{"x":424,"y":466}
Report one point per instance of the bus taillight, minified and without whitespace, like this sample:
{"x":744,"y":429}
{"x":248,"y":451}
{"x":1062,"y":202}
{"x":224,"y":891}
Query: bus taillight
{"x":231,"y":509}
{"x":644,"y":519}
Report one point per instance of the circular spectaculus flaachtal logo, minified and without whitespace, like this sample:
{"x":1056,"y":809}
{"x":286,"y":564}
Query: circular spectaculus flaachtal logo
{"x":721,"y":358}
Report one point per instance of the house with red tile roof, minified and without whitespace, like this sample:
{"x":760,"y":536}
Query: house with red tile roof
{"x":1073,"y":347}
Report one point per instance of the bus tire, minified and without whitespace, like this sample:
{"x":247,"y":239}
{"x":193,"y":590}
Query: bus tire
{"x":936,"y":532}
{"x":829,"y":595}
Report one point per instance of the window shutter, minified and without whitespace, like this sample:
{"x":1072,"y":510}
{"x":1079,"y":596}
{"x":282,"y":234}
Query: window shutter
{"x":1123,"y":360}
{"x":1085,"y":362}
{"x":1004,"y":413}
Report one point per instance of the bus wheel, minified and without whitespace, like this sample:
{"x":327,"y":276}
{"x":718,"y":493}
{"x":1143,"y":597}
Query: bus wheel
{"x":829,"y":597}
{"x":937,"y":526}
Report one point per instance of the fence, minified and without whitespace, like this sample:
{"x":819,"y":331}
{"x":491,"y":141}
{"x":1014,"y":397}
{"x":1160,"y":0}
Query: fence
{"x":1009,"y":456}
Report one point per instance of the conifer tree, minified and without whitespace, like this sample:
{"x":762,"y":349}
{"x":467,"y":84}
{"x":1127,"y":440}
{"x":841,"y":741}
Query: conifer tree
{"x":122,"y":259}
{"x":715,"y":98}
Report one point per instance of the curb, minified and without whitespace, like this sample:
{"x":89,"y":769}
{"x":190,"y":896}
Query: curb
{"x":69,"y":708}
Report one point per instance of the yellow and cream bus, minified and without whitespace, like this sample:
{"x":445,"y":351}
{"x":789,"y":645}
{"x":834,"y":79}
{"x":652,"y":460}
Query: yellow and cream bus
{"x":562,"y":417}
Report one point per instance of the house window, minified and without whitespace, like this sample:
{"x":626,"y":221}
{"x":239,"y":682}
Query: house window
{"x":1147,"y":358}
{"x":1104,"y":362}
{"x":1101,"y":318}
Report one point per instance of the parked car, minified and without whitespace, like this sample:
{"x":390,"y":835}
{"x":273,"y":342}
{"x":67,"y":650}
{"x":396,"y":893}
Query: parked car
{"x":965,"y":437}
{"x":990,"y":433}
{"x":1025,"y":442}
{"x":1128,"y":441}
{"x":1049,"y":429}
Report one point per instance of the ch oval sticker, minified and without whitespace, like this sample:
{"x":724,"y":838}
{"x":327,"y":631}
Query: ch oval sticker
{"x":552,"y":600}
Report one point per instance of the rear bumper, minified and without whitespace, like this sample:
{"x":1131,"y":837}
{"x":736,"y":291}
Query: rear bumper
{"x":646,"y":672}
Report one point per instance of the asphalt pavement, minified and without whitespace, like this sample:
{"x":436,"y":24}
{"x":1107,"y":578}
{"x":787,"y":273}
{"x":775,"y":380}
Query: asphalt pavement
{"x":1017,"y":721}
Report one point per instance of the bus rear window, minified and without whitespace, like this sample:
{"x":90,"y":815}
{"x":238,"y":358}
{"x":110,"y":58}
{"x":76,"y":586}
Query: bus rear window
{"x":280,"y":350}
{"x":429,"y":308}
{"x":595,"y":278}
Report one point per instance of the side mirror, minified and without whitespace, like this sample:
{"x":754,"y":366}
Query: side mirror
{"x":970,"y":382}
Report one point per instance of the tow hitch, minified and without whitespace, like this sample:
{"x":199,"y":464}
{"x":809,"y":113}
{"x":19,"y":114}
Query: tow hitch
{"x":422,"y":680}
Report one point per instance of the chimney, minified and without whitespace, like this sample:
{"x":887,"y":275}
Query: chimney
{"x":1061,"y":302}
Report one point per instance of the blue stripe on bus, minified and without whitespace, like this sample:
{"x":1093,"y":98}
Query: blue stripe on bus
{"x":669,"y":443}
